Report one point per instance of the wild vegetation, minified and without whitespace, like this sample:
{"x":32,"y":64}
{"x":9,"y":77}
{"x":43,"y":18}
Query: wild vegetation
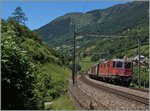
{"x":130,"y":19}
{"x":62,"y":103}
{"x":123,"y":19}
{"x":32,"y":73}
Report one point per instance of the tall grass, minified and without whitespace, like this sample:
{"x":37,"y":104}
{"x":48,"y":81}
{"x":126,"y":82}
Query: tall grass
{"x":57,"y":71}
{"x":86,"y":63}
{"x":62,"y":103}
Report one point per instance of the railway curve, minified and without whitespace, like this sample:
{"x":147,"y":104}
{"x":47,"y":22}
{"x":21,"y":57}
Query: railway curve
{"x":136,"y":98}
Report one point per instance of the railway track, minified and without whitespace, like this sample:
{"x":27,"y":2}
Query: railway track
{"x":115,"y":91}
{"x":129,"y":87}
{"x":85,"y":100}
{"x":143,"y":90}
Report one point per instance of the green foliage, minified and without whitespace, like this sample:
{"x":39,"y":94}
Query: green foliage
{"x":123,"y":19}
{"x":120,"y":18}
{"x":52,"y":81}
{"x":17,"y":72}
{"x":78,"y":67}
{"x":95,"y":58}
{"x":86,"y":63}
{"x":26,"y":81}
{"x":144,"y":76}
{"x":40,"y":54}
{"x":62,"y":103}
{"x":19,"y":16}
{"x":133,"y":52}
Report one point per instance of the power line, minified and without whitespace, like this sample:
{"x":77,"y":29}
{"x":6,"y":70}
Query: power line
{"x":74,"y":48}
{"x":91,"y":34}
{"x":108,"y":36}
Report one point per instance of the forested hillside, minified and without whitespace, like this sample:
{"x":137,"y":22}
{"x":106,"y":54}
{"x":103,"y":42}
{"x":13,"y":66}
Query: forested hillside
{"x":32,"y":73}
{"x":34,"y":63}
{"x":123,"y":19}
{"x":130,"y":19}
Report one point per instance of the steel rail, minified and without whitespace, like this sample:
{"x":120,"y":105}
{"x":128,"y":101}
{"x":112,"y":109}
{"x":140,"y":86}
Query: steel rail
{"x":134,"y":88}
{"x":115,"y":91}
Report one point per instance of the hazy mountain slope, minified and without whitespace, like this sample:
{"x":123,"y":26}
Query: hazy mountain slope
{"x":119,"y":19}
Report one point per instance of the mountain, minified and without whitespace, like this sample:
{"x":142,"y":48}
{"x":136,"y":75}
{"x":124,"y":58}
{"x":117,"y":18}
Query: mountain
{"x":123,"y":19}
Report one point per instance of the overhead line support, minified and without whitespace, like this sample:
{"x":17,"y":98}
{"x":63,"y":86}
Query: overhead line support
{"x":74,"y":57}
{"x":139,"y":56}
{"x":107,"y":36}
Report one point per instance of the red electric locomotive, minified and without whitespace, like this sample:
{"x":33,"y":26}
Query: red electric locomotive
{"x":118,"y":71}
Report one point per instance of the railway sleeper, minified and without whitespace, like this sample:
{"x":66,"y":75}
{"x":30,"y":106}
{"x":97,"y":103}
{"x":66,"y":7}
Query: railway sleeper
{"x":123,"y":94}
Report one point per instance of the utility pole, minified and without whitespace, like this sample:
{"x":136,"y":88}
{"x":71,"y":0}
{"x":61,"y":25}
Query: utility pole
{"x":115,"y":36}
{"x":139,"y":65}
{"x":74,"y":57}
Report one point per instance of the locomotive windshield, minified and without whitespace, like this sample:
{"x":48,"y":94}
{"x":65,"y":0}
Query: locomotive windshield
{"x":119,"y":64}
{"x":128,"y":65}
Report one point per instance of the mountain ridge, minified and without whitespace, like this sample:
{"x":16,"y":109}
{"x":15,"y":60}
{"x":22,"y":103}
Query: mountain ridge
{"x":112,"y":20}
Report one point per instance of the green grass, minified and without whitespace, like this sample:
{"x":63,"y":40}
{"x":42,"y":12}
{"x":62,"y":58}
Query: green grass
{"x":53,"y":81}
{"x":86,"y":63}
{"x":145,"y":50}
{"x":57,"y":71}
{"x":132,"y":52}
{"x":62,"y":103}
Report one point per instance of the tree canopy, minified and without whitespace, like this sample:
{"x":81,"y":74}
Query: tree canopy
{"x":19,"y":16}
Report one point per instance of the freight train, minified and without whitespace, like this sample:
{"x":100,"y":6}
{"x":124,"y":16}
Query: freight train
{"x":117,"y":71}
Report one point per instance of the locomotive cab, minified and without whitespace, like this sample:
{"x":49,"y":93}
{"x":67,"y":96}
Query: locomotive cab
{"x":122,"y":64}
{"x":118,"y":71}
{"x":128,"y":65}
{"x":123,"y":70}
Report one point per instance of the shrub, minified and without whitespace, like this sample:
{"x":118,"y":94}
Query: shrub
{"x":17,"y":72}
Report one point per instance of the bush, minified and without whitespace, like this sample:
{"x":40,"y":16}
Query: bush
{"x":17,"y":73}
{"x":25,"y":85}
{"x":48,"y":87}
{"x":95,"y":58}
{"x":144,"y":76}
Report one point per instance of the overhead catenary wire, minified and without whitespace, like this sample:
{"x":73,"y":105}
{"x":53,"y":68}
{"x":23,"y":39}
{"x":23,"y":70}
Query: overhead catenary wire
{"x":106,"y":36}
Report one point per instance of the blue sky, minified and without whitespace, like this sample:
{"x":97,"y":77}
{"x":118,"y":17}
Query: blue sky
{"x":41,"y":13}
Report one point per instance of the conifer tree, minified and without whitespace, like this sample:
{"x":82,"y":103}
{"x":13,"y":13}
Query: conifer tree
{"x":19,"y":16}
